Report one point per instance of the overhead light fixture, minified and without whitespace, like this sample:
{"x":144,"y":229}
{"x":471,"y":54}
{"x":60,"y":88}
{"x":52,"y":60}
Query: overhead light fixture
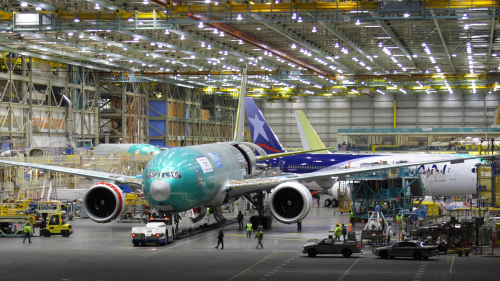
{"x":240,"y":42}
{"x":300,"y":19}
{"x":130,"y":61}
{"x":80,"y":36}
{"x":406,"y":15}
{"x":182,"y":37}
{"x":203,"y":44}
{"x":97,"y":7}
{"x":239,"y":17}
{"x":167,"y":32}
{"x":70,"y":33}
{"x":294,"y":46}
{"x":140,"y":23}
{"x":24,"y":4}
{"x":200,"y":25}
{"x":145,"y":2}
{"x":38,"y":8}
{"x":124,"y":48}
{"x":216,"y":31}
{"x":221,"y":33}
{"x":314,"y":29}
{"x":358,"y":22}
{"x":152,"y":43}
{"x":130,"y":19}
{"x":77,"y":20}
{"x":294,"y":16}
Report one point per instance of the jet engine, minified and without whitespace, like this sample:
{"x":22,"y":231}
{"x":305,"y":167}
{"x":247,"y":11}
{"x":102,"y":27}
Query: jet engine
{"x":290,"y":202}
{"x":104,"y":202}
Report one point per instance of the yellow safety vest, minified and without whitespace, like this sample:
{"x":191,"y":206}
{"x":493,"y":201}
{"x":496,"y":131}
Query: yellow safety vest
{"x":249,"y":227}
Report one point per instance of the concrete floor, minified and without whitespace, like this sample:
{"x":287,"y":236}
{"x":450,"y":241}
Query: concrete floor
{"x":104,"y":252}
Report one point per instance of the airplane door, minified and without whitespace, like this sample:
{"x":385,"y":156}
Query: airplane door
{"x":453,"y":172}
{"x":281,"y":164}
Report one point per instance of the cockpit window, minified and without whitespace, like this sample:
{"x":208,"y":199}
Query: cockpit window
{"x":164,"y":175}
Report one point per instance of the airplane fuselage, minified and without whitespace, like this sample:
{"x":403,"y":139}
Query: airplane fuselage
{"x":183,"y":178}
{"x":439,"y":179}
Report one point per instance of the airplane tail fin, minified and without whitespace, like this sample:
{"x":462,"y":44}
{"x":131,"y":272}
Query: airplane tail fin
{"x":308,"y":136}
{"x":262,"y":135}
{"x":240,"y":116}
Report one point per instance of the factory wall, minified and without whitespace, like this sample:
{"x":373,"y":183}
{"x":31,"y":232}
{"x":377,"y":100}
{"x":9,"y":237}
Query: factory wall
{"x":327,"y":115}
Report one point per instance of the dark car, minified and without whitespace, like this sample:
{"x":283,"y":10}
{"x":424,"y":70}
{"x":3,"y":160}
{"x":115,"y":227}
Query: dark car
{"x":328,"y":246}
{"x":415,"y":249}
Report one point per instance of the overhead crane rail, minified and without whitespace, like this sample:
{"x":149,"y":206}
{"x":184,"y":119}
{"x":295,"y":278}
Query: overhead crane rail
{"x":119,"y":20}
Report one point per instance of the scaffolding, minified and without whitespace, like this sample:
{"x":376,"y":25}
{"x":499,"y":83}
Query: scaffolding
{"x":488,"y":185}
{"x":392,"y":190}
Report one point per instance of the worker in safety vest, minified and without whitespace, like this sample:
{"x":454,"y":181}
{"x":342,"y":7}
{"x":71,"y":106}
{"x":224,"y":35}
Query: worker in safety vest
{"x":27,"y":233}
{"x":249,"y":229}
{"x":351,"y":218}
{"x":338,"y":232}
{"x":208,"y":214}
{"x":399,"y":219}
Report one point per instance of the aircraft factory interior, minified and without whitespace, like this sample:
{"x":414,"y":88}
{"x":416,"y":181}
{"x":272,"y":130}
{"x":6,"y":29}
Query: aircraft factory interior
{"x":235,"y":140}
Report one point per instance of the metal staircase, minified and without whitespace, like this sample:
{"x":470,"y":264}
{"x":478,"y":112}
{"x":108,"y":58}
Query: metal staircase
{"x":344,"y":198}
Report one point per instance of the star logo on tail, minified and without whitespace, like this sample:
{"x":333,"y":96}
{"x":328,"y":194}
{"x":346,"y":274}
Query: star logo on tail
{"x":258,"y":127}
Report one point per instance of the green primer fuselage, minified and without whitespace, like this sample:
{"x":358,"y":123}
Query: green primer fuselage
{"x":183,"y":178}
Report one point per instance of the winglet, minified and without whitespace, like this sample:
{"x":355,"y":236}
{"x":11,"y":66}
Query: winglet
{"x":240,"y":116}
{"x":308,"y":136}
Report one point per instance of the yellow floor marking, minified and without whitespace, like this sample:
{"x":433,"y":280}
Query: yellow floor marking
{"x":253,"y":265}
{"x":452,"y":260}
{"x":235,"y":235}
{"x":291,"y":239}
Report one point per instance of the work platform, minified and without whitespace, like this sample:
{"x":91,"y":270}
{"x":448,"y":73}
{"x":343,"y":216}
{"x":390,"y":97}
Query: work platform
{"x":393,"y":190}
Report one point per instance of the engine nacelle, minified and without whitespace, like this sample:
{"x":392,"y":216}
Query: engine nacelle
{"x":290,"y":202}
{"x":104,"y":202}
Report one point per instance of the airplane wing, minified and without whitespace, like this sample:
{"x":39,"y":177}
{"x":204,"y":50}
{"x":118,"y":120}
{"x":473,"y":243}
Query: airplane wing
{"x":270,"y":156}
{"x":132,"y":180}
{"x":244,"y":187}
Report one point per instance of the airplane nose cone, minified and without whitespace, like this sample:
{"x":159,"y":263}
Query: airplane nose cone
{"x":159,"y":190}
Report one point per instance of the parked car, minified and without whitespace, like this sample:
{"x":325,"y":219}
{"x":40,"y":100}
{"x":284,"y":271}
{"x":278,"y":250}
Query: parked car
{"x":413,"y":248}
{"x":328,"y":246}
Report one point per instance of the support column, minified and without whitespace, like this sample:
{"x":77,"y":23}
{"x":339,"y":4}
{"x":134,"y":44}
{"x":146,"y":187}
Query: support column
{"x":440,"y":113}
{"x":283,"y":103}
{"x":327,"y":122}
{"x":485,"y":110}
{"x":124,"y":106}
{"x":350,"y":113}
{"x":463,"y":110}
{"x":417,"y":111}
{"x":394,"y":111}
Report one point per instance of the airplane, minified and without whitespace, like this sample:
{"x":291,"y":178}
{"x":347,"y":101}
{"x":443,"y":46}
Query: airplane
{"x":439,"y":179}
{"x":127,"y":148}
{"x":210,"y":175}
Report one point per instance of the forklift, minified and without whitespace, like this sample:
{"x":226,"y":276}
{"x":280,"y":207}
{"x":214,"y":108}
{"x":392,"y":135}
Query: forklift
{"x":56,"y":224}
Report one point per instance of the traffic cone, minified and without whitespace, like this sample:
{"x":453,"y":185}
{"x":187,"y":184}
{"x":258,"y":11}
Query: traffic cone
{"x":350,"y":227}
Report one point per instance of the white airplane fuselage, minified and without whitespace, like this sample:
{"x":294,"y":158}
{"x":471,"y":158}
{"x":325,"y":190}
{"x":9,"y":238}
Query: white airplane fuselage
{"x":438,"y":179}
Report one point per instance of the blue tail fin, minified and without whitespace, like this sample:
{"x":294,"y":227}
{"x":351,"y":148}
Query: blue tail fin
{"x":262,"y":135}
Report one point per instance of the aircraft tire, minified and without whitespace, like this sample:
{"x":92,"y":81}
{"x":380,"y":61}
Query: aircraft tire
{"x":328,"y":203}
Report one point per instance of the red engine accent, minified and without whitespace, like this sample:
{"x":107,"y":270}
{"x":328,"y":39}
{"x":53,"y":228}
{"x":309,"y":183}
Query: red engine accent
{"x":104,"y":202}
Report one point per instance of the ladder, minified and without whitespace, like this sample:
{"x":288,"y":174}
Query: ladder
{"x":344,"y":198}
